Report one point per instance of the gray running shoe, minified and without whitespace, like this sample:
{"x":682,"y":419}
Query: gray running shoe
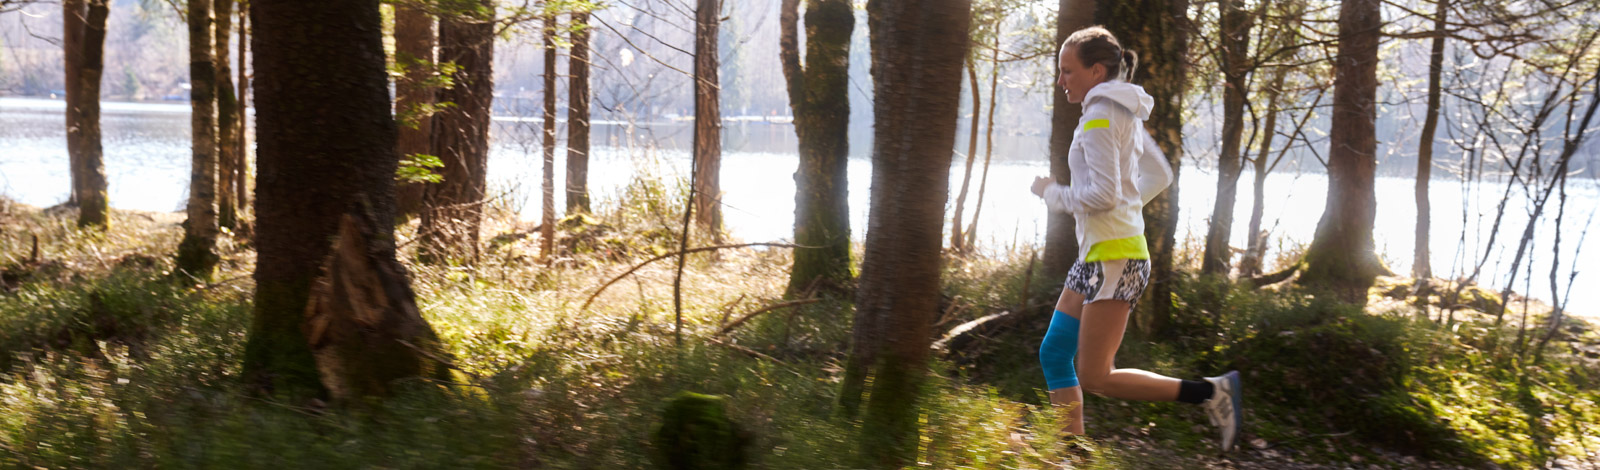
{"x":1225,"y":408}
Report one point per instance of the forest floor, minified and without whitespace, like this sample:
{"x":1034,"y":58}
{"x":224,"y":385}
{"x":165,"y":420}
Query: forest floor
{"x":108,"y":361}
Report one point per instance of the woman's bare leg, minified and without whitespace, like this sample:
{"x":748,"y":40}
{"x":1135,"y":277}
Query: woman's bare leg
{"x":1104,"y":323}
{"x":1070,"y":303}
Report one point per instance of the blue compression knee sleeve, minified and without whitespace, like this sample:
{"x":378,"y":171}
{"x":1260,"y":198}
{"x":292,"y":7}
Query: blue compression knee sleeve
{"x":1058,"y":352}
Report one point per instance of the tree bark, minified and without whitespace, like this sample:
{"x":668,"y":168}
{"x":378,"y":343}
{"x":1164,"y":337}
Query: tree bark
{"x":917,"y":53}
{"x":1234,"y":30}
{"x":819,"y":97}
{"x":414,"y":39}
{"x":86,"y":155}
{"x":1157,"y":30}
{"x":956,"y":236}
{"x":578,"y":116}
{"x":326,"y":145}
{"x":1421,"y":266}
{"x":196,"y":253}
{"x":1341,"y":257}
{"x":453,"y":208}
{"x":362,"y":320}
{"x":227,"y":119}
{"x":707,"y":119}
{"x":1061,"y":239}
{"x":547,"y":232}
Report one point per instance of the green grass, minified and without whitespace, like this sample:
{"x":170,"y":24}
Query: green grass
{"x":108,"y":362}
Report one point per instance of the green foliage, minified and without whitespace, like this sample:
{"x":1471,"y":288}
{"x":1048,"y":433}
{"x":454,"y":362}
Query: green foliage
{"x":417,"y":168}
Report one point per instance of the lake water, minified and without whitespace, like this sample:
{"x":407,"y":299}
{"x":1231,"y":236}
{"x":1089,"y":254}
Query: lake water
{"x":147,"y":163}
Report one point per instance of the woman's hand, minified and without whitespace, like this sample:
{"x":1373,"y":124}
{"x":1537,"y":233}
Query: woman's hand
{"x":1040,"y":183}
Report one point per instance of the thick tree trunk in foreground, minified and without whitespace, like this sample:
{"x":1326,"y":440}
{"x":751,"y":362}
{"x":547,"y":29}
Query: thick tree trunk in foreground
{"x":1060,"y":237}
{"x":578,"y":116}
{"x":1421,"y":267}
{"x":1157,"y":30}
{"x":1341,"y":257}
{"x":227,"y":120}
{"x":547,"y":232}
{"x":196,"y":253}
{"x":84,"y":46}
{"x":819,"y":96}
{"x":414,"y":38}
{"x":326,"y":144}
{"x":453,"y":208}
{"x":917,"y":51}
{"x":707,"y":119}
{"x":1235,"y":40}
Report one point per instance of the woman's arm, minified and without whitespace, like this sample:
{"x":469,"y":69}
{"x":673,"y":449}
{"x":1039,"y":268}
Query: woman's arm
{"x":1100,"y":150}
{"x":1155,"y":174}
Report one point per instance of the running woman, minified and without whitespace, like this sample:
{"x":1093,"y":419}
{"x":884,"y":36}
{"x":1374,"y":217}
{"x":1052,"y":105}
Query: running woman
{"x":1116,"y":169}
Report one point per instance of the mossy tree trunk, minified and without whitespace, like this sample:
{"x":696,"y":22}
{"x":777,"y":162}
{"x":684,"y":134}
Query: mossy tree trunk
{"x":1234,"y":32}
{"x":819,"y":96}
{"x":325,"y":143}
{"x":578,"y":115}
{"x":1341,"y":258}
{"x":1061,"y":238}
{"x":1158,"y":31}
{"x":707,"y":119}
{"x":1421,"y":266}
{"x":453,"y":208}
{"x":196,"y":253}
{"x":83,"y":44}
{"x":228,"y":116}
{"x":917,"y":52}
{"x":547,"y":232}
{"x":414,"y":39}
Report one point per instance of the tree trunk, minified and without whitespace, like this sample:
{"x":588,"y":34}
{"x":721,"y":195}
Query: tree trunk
{"x":917,"y":51}
{"x":988,"y":148}
{"x":1157,"y":30}
{"x":86,"y":155}
{"x":227,"y":120}
{"x":1341,"y":257}
{"x":1235,"y":40}
{"x":707,"y":119}
{"x":453,"y":208}
{"x":1061,"y":239}
{"x":1255,"y":247}
{"x":1421,"y":266}
{"x":326,"y":143}
{"x":578,"y":115}
{"x":241,"y":178}
{"x":196,"y":255}
{"x":414,"y":39}
{"x":956,"y":237}
{"x":547,"y":233}
{"x":819,"y":97}
{"x":362,"y":321}
{"x":74,"y":18}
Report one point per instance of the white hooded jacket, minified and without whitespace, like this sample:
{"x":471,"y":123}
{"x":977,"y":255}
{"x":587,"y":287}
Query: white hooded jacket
{"x":1116,"y":166}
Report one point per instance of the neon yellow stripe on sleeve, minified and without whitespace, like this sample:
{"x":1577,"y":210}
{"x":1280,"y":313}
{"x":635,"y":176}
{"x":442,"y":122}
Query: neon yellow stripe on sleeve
{"x":1097,"y":124}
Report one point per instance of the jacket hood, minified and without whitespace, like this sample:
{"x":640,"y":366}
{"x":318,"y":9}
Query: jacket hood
{"x":1123,"y":93}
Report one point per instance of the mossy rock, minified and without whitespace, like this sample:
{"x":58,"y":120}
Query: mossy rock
{"x":696,"y":433}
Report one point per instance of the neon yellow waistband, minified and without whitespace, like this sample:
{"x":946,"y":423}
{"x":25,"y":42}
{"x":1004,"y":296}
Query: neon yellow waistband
{"x":1133,"y":247}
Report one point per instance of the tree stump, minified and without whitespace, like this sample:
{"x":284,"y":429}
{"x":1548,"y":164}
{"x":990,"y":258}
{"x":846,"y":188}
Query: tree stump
{"x":362,"y":320}
{"x":696,"y":433}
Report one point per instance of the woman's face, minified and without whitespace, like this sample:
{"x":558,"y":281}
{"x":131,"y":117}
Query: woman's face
{"x":1075,"y":79}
